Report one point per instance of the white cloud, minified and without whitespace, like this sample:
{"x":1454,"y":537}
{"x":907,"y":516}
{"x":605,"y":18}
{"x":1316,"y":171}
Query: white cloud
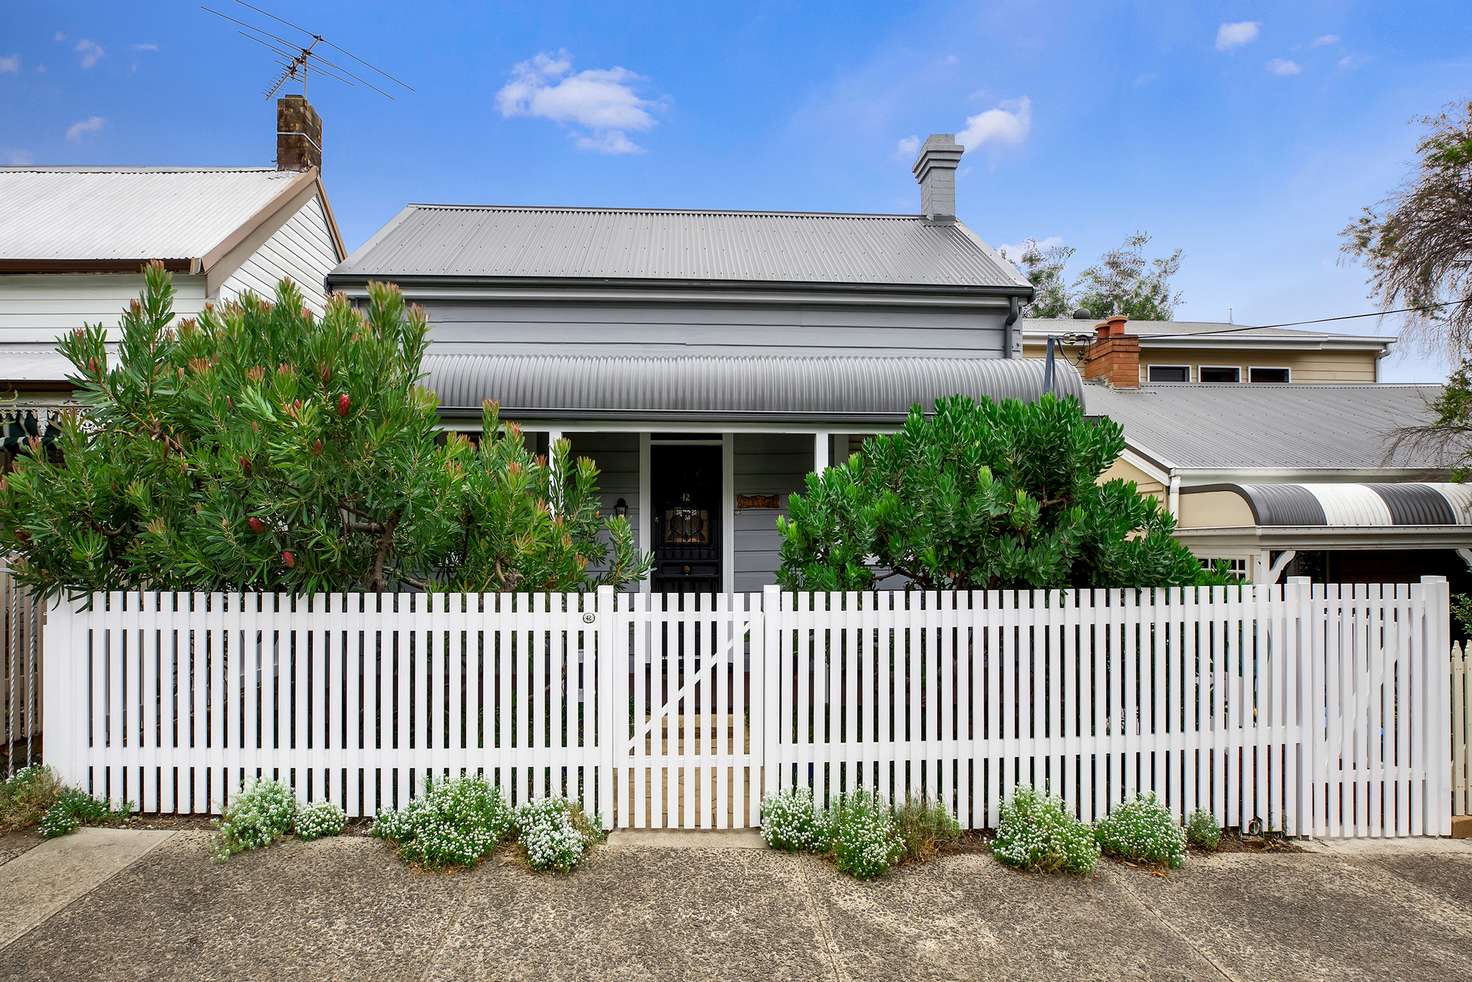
{"x":9,"y":64}
{"x":1008,"y":123}
{"x":1234,"y":34}
{"x":90,"y":51}
{"x":84,"y":127}
{"x":1324,"y":40}
{"x":1014,"y":250}
{"x":1351,"y":62}
{"x":143,"y":46}
{"x":1282,"y":66}
{"x":614,"y":142}
{"x":907,"y":146}
{"x":602,"y":104}
{"x":59,"y":36}
{"x":1145,"y":78}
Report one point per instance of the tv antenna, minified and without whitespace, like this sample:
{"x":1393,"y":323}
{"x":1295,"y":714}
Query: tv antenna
{"x":296,"y":58}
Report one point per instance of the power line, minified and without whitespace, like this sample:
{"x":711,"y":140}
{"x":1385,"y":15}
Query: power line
{"x":1304,"y":323}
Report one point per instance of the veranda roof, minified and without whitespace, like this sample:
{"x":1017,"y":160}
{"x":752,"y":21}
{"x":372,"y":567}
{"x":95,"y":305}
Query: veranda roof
{"x":751,"y":388}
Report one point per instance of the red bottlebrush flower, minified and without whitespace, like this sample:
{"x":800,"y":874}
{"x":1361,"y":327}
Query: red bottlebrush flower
{"x":92,"y":365}
{"x":343,"y":404}
{"x":326,"y":373}
{"x":77,"y":333}
{"x":21,"y":535}
{"x":317,"y":446}
{"x":256,"y":373}
{"x":289,"y":558}
{"x":256,"y":525}
{"x":245,"y":465}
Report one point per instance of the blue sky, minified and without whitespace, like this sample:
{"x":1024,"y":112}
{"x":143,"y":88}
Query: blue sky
{"x":1246,"y":134}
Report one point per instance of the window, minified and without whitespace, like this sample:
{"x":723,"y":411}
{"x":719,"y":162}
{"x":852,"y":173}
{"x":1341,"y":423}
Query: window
{"x":1169,"y":373}
{"x":1235,"y":565}
{"x":1219,"y":373}
{"x":1269,"y":375}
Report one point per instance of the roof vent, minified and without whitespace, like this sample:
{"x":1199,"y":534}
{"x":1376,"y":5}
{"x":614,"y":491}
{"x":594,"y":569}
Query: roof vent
{"x":935,"y":170}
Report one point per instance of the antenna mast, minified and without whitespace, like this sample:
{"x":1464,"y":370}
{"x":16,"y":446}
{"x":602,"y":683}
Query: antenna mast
{"x":296,"y":59}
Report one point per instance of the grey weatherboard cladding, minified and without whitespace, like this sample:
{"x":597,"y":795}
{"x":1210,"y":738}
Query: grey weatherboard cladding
{"x":755,"y":388}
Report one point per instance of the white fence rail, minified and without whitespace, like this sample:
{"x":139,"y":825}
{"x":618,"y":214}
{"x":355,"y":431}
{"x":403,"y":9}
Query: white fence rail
{"x":1309,"y":710}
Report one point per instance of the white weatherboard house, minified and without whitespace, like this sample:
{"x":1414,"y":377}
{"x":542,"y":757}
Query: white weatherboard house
{"x":708,"y":360}
{"x":74,"y":239}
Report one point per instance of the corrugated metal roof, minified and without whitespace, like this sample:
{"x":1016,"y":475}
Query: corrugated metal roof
{"x":84,"y":213}
{"x":1352,"y":505}
{"x":1217,"y":332}
{"x":726,"y":387}
{"x":637,"y":244}
{"x":1222,"y":427}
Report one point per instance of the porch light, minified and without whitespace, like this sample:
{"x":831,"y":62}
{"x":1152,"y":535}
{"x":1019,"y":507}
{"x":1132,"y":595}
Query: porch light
{"x":621,"y":508}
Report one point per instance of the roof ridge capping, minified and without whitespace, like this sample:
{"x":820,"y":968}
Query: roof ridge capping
{"x":601,"y":209}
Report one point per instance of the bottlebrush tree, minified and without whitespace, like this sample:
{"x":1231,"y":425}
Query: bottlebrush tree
{"x":263,"y":447}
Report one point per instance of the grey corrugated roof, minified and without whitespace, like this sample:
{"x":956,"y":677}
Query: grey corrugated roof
{"x":518,"y":242}
{"x":122,"y":213}
{"x":756,"y":387}
{"x":1310,"y":427}
{"x":1185,"y":332}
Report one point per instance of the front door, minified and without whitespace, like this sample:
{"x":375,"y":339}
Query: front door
{"x":685,"y":483}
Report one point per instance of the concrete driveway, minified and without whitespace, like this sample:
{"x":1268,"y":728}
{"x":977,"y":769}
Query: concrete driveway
{"x":125,"y":904}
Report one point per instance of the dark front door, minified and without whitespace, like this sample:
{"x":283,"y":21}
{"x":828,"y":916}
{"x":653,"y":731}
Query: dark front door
{"x":685,"y":483}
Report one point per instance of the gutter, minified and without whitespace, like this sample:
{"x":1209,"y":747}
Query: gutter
{"x":1011,"y":339}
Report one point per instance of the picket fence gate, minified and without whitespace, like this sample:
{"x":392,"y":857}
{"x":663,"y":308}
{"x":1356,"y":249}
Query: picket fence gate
{"x":1310,"y":710}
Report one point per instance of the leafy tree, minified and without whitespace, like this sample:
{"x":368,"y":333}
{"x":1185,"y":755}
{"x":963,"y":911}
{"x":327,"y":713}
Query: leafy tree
{"x":263,"y":447}
{"x":1123,"y":281}
{"x":983,"y":495}
{"x":1418,"y":243}
{"x":1044,"y":270}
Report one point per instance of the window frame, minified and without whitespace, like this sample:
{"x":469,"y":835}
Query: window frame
{"x":1151,"y":368}
{"x":1225,"y":368}
{"x":1270,"y":368}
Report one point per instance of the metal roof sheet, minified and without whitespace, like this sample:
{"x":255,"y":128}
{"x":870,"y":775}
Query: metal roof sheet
{"x":519,"y":242}
{"x":1411,"y":505}
{"x":87,"y":213}
{"x":1258,"y":426}
{"x":756,"y":387}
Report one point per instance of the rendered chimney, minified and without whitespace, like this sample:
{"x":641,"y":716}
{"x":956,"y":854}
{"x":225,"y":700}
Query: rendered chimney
{"x":935,"y":170}
{"x":1114,"y":356}
{"x":298,"y":134}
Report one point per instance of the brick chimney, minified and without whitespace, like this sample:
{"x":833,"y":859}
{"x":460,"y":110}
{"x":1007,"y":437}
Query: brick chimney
{"x":1113,"y":356}
{"x":935,"y":170}
{"x":298,"y":134}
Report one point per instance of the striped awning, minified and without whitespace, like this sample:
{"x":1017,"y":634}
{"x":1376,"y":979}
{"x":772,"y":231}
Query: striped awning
{"x":1354,"y":505}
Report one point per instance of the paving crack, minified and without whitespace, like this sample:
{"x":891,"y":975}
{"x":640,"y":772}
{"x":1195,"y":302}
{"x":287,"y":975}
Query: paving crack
{"x":829,"y":944}
{"x":1149,"y":908}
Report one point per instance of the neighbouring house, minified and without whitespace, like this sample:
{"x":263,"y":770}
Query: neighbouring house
{"x":1210,"y":352}
{"x":1287,"y":479}
{"x":708,"y":360}
{"x":73,"y":241}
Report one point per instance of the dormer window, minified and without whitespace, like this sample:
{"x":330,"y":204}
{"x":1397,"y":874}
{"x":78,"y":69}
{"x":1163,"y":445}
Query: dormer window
{"x":1277,"y":375}
{"x":1219,"y":373}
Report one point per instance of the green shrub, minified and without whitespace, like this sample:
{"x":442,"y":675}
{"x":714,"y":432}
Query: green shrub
{"x":924,"y":826}
{"x":73,"y":809}
{"x":319,"y":820}
{"x":792,"y":822}
{"x":1037,"y":832}
{"x":453,"y":823}
{"x":263,"y":812}
{"x":1202,"y":830}
{"x":26,"y":797}
{"x":865,"y":841}
{"x":553,"y":833}
{"x":1141,"y":830}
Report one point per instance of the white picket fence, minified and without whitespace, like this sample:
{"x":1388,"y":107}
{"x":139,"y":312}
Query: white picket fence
{"x":20,"y":674}
{"x":1461,"y":686}
{"x":1316,"y":711}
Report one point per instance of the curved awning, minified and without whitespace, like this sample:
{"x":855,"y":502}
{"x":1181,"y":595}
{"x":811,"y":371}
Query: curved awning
{"x":748,"y":388}
{"x":1347,"y":505}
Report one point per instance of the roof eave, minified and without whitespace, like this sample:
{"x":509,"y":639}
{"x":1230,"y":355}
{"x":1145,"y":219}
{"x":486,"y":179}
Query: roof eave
{"x":351,"y":280}
{"x":182,"y":264}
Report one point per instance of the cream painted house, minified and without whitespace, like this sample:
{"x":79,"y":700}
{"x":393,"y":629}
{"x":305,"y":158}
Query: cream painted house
{"x":1215,"y":353}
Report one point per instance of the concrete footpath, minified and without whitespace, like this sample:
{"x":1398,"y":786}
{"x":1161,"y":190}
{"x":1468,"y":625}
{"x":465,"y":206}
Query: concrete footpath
{"x":109,"y":904}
